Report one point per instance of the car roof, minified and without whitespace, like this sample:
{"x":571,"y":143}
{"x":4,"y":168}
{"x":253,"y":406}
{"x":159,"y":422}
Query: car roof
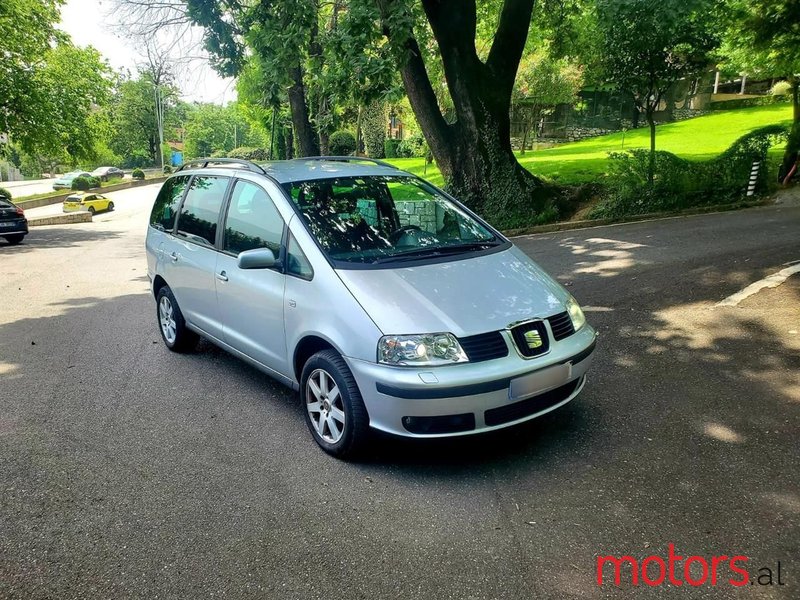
{"x":287,"y":171}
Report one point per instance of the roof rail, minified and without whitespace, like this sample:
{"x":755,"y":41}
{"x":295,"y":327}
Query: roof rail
{"x":381,"y":163}
{"x":202,"y":163}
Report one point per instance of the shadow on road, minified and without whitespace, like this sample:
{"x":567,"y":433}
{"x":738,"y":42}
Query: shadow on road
{"x":57,"y":237}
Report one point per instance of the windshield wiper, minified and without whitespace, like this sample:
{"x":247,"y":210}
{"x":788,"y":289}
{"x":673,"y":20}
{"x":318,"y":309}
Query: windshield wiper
{"x":436,"y":251}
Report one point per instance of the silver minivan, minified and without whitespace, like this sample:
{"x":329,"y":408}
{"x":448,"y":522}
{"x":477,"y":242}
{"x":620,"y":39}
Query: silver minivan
{"x":383,"y":300}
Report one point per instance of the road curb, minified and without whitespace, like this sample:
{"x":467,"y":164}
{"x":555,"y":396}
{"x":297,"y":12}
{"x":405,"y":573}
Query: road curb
{"x":66,"y":219}
{"x":26,"y":204}
{"x":587,"y":223}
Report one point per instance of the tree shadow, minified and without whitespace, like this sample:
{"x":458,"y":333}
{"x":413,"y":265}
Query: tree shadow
{"x":57,"y":237}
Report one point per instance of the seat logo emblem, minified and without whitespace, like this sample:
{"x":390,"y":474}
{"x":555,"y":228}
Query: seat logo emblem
{"x":533,"y":339}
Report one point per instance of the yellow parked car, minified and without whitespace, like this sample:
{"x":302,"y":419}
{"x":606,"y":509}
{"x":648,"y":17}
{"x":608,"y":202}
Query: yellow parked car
{"x":87,"y":201}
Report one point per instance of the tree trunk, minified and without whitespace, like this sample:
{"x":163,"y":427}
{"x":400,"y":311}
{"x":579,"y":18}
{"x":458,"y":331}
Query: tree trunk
{"x":307,"y":142}
{"x":359,"y":150}
{"x":474,"y":153}
{"x":525,"y":128}
{"x":289,"y":142}
{"x":324,"y":146}
{"x":790,"y":155}
{"x":651,"y":169}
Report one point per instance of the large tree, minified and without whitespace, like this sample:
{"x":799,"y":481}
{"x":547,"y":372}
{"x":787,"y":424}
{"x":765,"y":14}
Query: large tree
{"x":649,"y":45}
{"x":772,"y":35}
{"x":27,"y":32}
{"x":473,"y":146}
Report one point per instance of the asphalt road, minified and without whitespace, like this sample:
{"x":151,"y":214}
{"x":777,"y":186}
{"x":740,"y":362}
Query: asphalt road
{"x":127,"y":471}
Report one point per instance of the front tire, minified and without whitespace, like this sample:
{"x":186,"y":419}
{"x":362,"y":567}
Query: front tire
{"x":177,"y":337}
{"x":15,"y":238}
{"x":110,"y":206}
{"x":333,"y":408}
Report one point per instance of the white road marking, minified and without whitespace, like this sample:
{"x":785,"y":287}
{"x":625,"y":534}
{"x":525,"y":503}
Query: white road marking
{"x":772,"y":281}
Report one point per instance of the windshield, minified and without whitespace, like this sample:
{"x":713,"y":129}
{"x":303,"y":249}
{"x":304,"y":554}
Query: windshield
{"x":378,"y":219}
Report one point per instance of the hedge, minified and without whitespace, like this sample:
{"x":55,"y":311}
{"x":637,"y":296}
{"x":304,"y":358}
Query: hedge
{"x":85,"y":183}
{"x":747,"y":102}
{"x":679,"y":183}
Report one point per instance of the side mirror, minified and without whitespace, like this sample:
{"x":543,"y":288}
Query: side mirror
{"x":258,"y":258}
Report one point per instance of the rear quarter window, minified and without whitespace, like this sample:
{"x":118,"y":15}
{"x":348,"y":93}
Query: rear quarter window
{"x":200,"y":211}
{"x":167,"y":201}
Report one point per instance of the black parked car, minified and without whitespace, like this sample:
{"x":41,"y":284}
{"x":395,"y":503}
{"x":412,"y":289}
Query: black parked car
{"x":13,"y":224}
{"x":108,"y":173}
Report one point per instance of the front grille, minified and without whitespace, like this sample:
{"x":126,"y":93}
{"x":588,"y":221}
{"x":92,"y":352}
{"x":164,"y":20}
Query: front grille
{"x":525,"y":408}
{"x":442,"y":424}
{"x":531,"y":338}
{"x":561,"y":325}
{"x":484,"y":346}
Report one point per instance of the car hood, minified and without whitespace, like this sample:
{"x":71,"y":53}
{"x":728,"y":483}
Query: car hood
{"x":463,"y":297}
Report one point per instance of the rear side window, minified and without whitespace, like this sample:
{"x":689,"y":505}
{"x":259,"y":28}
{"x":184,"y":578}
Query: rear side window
{"x":163,"y":215}
{"x":253,"y":221}
{"x":200,"y":210}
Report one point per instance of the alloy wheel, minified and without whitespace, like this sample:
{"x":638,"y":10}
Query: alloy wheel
{"x":324,"y":406}
{"x":166,"y":316}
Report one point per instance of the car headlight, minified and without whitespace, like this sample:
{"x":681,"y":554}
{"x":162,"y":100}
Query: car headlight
{"x":423,"y":350}
{"x":575,"y":313}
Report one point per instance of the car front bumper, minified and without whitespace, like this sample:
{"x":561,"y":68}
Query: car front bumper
{"x":471,"y":398}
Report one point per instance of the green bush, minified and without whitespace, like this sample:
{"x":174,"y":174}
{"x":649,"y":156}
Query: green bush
{"x":137,"y":174}
{"x":374,"y":121}
{"x":5,"y":192}
{"x":167,"y":169}
{"x":342,"y":143}
{"x":413,"y":147}
{"x":85,"y":183}
{"x":679,"y":183}
{"x":391,"y":148}
{"x":245,"y":153}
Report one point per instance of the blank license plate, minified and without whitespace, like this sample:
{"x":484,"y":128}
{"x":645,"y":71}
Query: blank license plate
{"x":540,"y":381}
{"x":7,"y":225}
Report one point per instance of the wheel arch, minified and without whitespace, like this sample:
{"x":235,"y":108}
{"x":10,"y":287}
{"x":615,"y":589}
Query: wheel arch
{"x":158,"y":283}
{"x":307,"y":347}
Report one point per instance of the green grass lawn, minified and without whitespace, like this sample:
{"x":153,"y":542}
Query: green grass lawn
{"x":694,"y":139}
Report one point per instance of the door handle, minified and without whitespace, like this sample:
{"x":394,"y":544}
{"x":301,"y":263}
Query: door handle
{"x":222,"y":276}
{"x":174,"y":256}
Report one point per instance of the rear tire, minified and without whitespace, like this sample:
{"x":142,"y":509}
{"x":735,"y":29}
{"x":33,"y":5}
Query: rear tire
{"x":177,"y":337}
{"x":91,"y":210}
{"x":332,"y":405}
{"x":15,"y":238}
